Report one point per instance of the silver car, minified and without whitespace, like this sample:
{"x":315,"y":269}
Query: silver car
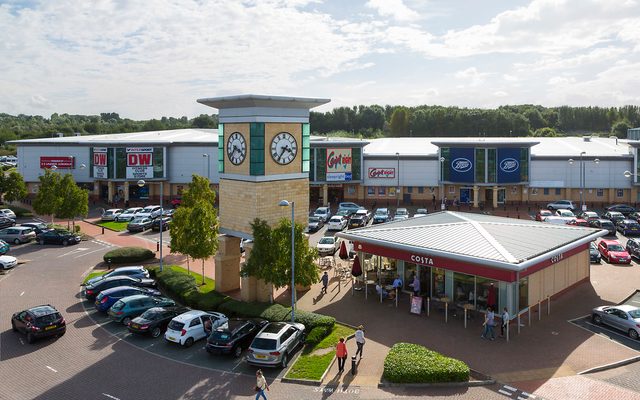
{"x":17,"y":234}
{"x":624,"y":317}
{"x":273,"y":345}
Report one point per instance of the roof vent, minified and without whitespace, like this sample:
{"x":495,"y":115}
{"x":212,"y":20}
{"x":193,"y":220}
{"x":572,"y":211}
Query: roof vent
{"x":77,"y":133}
{"x":614,"y":137}
{"x":586,"y":138}
{"x":60,"y":134}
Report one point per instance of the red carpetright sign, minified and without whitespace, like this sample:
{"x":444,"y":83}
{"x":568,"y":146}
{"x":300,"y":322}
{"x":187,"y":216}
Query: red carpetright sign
{"x":59,"y":162}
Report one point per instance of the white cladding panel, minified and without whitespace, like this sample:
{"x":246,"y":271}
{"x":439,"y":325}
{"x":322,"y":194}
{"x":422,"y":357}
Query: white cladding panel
{"x":411,"y":172}
{"x":29,"y":161}
{"x":559,"y":173}
{"x":187,"y":160}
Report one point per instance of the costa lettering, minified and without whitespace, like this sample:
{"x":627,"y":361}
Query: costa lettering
{"x":461,"y":165}
{"x":384,"y":173}
{"x":509,"y":165}
{"x":557,"y":258}
{"x":423,"y":260}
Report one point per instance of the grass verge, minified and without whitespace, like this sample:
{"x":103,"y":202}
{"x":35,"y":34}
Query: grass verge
{"x":93,"y":275}
{"x":209,"y":284}
{"x":312,"y":366}
{"x":115,"y":226}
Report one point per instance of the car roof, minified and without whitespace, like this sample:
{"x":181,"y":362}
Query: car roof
{"x":626,"y":307}
{"x":118,"y":288}
{"x":610,"y":241}
{"x":134,"y":297}
{"x":45,"y":309}
{"x":130,"y":267}
{"x":629,"y":221}
{"x":190,"y":315}
{"x":322,"y":208}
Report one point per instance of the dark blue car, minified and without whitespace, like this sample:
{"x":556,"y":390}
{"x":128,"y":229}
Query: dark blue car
{"x":108,"y":297}
{"x":4,"y":247}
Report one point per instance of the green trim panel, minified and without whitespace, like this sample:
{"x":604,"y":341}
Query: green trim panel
{"x":220,"y":148}
{"x":306,"y":147}
{"x":256,"y":146}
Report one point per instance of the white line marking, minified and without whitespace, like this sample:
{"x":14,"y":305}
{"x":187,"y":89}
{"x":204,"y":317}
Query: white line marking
{"x":82,"y":255}
{"x":110,"y":396}
{"x":21,"y":341}
{"x":529,"y":395}
{"x":504,"y":392}
{"x":21,"y":293}
{"x":522,"y":398}
{"x":51,"y":369}
{"x":510,"y":388}
{"x":78,"y":250}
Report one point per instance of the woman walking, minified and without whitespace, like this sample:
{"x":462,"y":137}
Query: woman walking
{"x":341,"y":353}
{"x":261,"y":385}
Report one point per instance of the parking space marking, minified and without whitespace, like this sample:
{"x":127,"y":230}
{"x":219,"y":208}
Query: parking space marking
{"x":21,"y":294}
{"x":51,"y":368}
{"x":21,"y":341}
{"x":74,"y":251}
{"x":606,"y":334}
{"x":85,"y":254}
{"x":110,"y":396}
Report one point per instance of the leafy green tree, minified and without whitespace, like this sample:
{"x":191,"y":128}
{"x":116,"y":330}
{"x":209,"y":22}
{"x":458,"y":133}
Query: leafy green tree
{"x":399,"y":122}
{"x":47,"y":200}
{"x":74,"y":201}
{"x":620,"y":128}
{"x":545,"y":132}
{"x":13,"y":187}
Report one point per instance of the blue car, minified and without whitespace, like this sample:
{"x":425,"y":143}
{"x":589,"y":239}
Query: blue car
{"x":4,"y":247}
{"x":108,"y":297}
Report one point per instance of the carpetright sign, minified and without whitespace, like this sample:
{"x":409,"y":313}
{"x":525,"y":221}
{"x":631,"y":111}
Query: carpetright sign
{"x":382,"y":173}
{"x":339,"y":163}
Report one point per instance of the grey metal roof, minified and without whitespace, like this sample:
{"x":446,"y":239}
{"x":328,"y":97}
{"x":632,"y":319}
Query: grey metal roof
{"x":258,"y":100}
{"x":168,"y":137}
{"x":501,"y":242}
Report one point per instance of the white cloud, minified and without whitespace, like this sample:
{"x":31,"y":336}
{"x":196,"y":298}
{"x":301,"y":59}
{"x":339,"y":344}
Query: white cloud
{"x":471,"y":75}
{"x":500,"y":93}
{"x":395,"y":9}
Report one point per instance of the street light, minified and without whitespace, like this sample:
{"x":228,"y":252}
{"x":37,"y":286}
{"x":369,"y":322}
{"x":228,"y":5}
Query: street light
{"x":286,"y":203}
{"x":208,"y":167}
{"x":398,"y":182}
{"x":583,"y":174}
{"x":442,"y":205}
{"x":627,"y":174}
{"x":141,"y":183}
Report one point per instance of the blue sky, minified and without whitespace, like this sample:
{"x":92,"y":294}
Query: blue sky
{"x":155,"y":58}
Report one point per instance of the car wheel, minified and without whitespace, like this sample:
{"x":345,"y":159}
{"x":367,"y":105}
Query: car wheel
{"x":126,"y":320}
{"x":17,"y":241}
{"x":596,"y":319}
{"x":237,"y":351}
{"x":30,"y":338}
{"x":156,"y":332}
{"x":284,"y":360}
{"x":188,"y":342}
{"x":41,"y":241}
{"x":13,"y":326}
{"x":65,"y":242}
{"x":633,"y":334}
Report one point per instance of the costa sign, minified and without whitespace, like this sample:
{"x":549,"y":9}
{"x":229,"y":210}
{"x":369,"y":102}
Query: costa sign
{"x":509,"y":165}
{"x":423,"y":260}
{"x":461,"y":164}
{"x":382,"y":173}
{"x":339,"y":160}
{"x":58,"y":162}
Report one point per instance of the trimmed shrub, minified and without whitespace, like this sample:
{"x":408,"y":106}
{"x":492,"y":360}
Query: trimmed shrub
{"x":128,"y":255}
{"x":317,"y":334}
{"x":412,"y":363}
{"x":311,"y":320}
{"x":275,"y":312}
{"x":183,"y":287}
{"x":19,"y":211}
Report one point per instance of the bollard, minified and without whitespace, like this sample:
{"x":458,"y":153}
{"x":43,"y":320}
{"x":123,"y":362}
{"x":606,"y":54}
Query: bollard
{"x":354,"y":366}
{"x":548,"y":305}
{"x":103,"y":230}
{"x":539,"y":310}
{"x":508,"y":330}
{"x":396,"y":297}
{"x":428,"y":304}
{"x":465,"y":318}
{"x":158,"y":246}
{"x":109,"y":263}
{"x":446,"y":312}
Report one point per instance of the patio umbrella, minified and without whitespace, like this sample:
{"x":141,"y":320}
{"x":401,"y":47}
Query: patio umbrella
{"x":356,"y":269}
{"x":344,"y":254}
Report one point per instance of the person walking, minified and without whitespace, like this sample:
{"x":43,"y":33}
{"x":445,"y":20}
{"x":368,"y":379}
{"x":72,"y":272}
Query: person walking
{"x":489,"y":322}
{"x":261,"y":385}
{"x":360,"y":340}
{"x":325,"y":282}
{"x":341,"y":354}
{"x":505,"y":321}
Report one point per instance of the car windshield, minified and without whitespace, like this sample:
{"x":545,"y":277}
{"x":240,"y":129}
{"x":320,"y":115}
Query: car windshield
{"x":314,"y":219}
{"x":138,"y":220}
{"x":635,"y":314}
{"x":401,"y":211}
{"x":47,"y":319}
{"x":336,"y":220}
{"x":607,"y":224}
{"x":327,"y":240}
{"x":130,"y":210}
{"x":119,"y":305}
{"x":615,"y":247}
{"x":381,"y":212}
{"x":220,"y":335}
{"x":151,"y":315}
{"x":321,"y":211}
{"x":176,"y":325}
{"x":264,"y":344}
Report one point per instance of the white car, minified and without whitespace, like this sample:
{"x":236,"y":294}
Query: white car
{"x":128,"y":214}
{"x":337,"y":223}
{"x":555,"y":220}
{"x":5,"y":212}
{"x":565,"y":213}
{"x":365,"y":213}
{"x":324,"y":213}
{"x":327,"y":245}
{"x":421,"y":212}
{"x":150,"y":212}
{"x":561,"y":205}
{"x":401,"y":213}
{"x":187,"y":328}
{"x":8,"y":262}
{"x":111,"y":214}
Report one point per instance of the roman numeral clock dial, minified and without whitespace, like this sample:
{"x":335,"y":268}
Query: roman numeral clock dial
{"x":284,"y":148}
{"x":236,"y":148}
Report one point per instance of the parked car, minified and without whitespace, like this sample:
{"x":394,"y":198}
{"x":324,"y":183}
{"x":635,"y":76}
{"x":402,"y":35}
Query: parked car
{"x":154,"y":321}
{"x":274,"y":344}
{"x":402,"y":213}
{"x":168,"y":212}
{"x":111,"y":214}
{"x":565,"y":213}
{"x":381,"y":215}
{"x":4,"y":247}
{"x":613,"y":216}
{"x":634,"y":216}
{"x":58,"y":236}
{"x":91,"y":291}
{"x":134,"y":271}
{"x":139,"y":224}
{"x":628,"y":227}
{"x":6,"y":222}
{"x":603,"y":224}
{"x":166,"y":224}
{"x":327,"y":245}
{"x":242,"y":243}
{"x":6,"y":212}
{"x":324,"y":213}
{"x":7,"y":262}
{"x":187,"y":328}
{"x":364,"y":213}
{"x":589,"y":215}
{"x":633,"y":247}
{"x":127,"y":308}
{"x":621,"y":208}
{"x":542,"y":214}
{"x":128,"y":214}
{"x":613,"y":252}
{"x":561,"y":205}
{"x":17,"y":234}
{"x":349,"y":206}
{"x":421,"y":212}
{"x":357,"y":221}
{"x":108,"y":297}
{"x":38,"y":322}
{"x":235,"y":336}
{"x":38,"y":227}
{"x":345,"y":213}
{"x":578,"y":222}
{"x":315,"y":224}
{"x":150,"y":212}
{"x":625,"y":318}
{"x":594,"y":254}
{"x":176,"y":201}
{"x":554,"y":219}
{"x":336,"y":223}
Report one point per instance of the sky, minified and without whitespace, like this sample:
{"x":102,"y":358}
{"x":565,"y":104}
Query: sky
{"x":154,"y":58}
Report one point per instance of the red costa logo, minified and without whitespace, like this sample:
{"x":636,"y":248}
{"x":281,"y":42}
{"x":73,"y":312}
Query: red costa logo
{"x":382,"y":172}
{"x":334,"y":160}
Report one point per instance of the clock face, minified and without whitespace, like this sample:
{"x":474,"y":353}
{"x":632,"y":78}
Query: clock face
{"x":284,"y":148}
{"x":236,"y":148}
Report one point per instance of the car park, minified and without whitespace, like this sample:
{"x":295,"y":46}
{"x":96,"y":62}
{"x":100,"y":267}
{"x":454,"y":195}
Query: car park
{"x":589,"y":215}
{"x":128,"y":214}
{"x":420,"y":212}
{"x":7,"y":262}
{"x":336,"y":223}
{"x":189,"y":327}
{"x":166,"y":224}
{"x":401,"y":213}
{"x":6,"y":222}
{"x":234,"y":336}
{"x":17,"y":234}
{"x":594,"y":254}
{"x":154,"y":321}
{"x":315,"y":224}
{"x":561,"y":205}
{"x":357,"y":221}
{"x":364,"y":213}
{"x":621,"y":208}
{"x":633,"y":247}
{"x":108,"y":297}
{"x":327,"y":245}
{"x":4,"y":247}
{"x":565,"y":213}
{"x":628,"y":227}
{"x":613,"y":252}
{"x":134,"y":271}
{"x":324,"y":213}
{"x":8,"y":213}
{"x":625,"y":318}
{"x":38,"y":322}
{"x":58,"y":236}
{"x":38,"y":227}
{"x":613,"y":216}
{"x":139,"y":224}
{"x":91,"y":291}
{"x":111,"y":214}
{"x":603,"y":224}
{"x":381,"y":215}
{"x":275,"y":343}
{"x":542,"y":214}
{"x":127,"y":308}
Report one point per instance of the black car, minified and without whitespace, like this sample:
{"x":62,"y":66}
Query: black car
{"x":38,"y":322}
{"x":57,"y":236}
{"x":635,"y":216}
{"x":613,"y":216}
{"x":628,"y":227}
{"x":38,"y":227}
{"x":594,"y":254}
{"x":154,"y":321}
{"x":603,"y":224}
{"x":6,"y":222}
{"x":236,"y":335}
{"x":166,"y":224}
{"x":633,"y":247}
{"x":621,"y":208}
{"x":92,"y":290}
{"x":357,"y":221}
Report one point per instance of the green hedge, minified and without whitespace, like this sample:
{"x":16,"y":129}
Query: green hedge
{"x":184,"y":288}
{"x":18,"y":211}
{"x":128,"y":255}
{"x":316,"y":335}
{"x":412,"y":363}
{"x":275,"y":312}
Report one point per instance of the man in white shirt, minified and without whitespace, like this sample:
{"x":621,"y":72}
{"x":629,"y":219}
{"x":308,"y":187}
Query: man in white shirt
{"x":359,"y":335}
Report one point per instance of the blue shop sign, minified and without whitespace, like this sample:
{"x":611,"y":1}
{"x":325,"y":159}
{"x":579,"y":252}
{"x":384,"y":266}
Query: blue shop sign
{"x":509,"y":165}
{"x":461,"y":168}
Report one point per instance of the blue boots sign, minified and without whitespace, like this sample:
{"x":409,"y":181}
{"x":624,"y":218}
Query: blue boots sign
{"x":461,"y":168}
{"x":509,"y":165}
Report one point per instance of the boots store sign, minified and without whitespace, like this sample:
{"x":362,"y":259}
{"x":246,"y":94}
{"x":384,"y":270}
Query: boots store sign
{"x":139,"y":162}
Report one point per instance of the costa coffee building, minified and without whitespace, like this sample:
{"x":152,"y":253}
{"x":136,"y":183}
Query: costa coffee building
{"x":475,"y":260}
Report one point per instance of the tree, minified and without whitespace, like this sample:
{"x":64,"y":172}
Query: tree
{"x":47,"y":200}
{"x":399,"y":122}
{"x":12,"y":187}
{"x":545,"y":132}
{"x":620,"y":128}
{"x":74,"y":201}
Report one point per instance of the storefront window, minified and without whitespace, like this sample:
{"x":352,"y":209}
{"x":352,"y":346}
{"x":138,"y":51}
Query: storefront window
{"x":491,"y":165}
{"x":464,"y":288}
{"x":388,"y":271}
{"x":480,"y":165}
{"x":523,"y":293}
{"x":425,"y":280}
{"x":437,"y":280}
{"x":409,"y":273}
{"x":487,"y":293}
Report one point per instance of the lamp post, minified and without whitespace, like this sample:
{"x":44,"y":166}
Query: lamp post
{"x":286,"y":203}
{"x":398,"y":182}
{"x":208,"y":167}
{"x":442,"y":205}
{"x":583,"y":174}
{"x":141,"y":183}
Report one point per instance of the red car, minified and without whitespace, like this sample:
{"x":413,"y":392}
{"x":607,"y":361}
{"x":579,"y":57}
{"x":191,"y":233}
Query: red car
{"x":542,"y":214}
{"x":613,"y":252}
{"x":578,"y":222}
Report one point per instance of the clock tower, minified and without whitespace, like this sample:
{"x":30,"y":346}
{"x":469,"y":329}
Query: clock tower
{"x":263,"y":158}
